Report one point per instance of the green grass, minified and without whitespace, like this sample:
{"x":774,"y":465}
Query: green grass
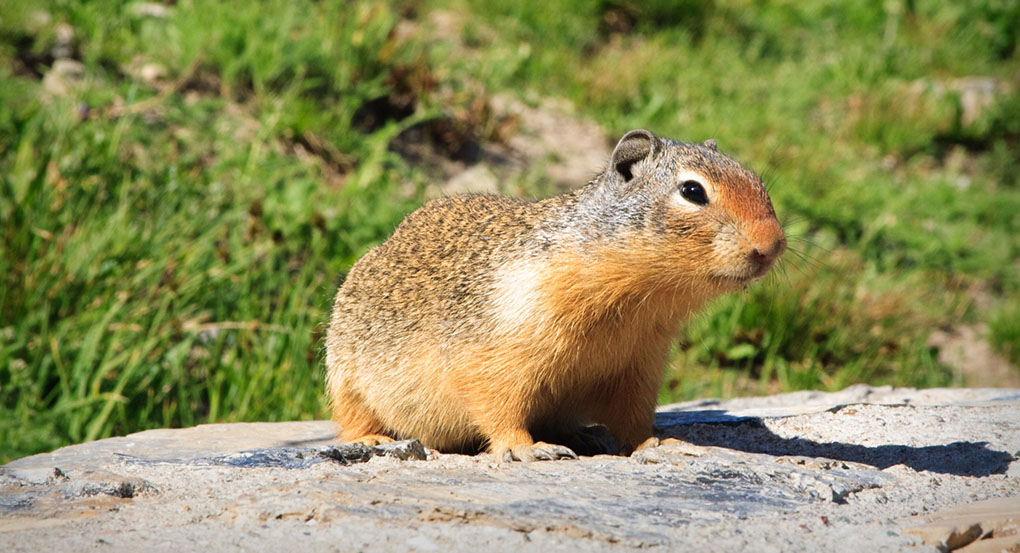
{"x":170,"y":241}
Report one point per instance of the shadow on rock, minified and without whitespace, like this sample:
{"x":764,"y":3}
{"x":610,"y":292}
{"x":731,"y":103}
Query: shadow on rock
{"x":749,"y":434}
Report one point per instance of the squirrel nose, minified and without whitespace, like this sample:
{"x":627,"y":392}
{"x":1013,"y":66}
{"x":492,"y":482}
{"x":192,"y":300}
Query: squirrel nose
{"x":765,"y":254}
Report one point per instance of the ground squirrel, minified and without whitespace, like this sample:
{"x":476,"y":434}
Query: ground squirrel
{"x":486,"y":321}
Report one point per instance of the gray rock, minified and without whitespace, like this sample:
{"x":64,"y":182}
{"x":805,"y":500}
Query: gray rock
{"x":797,"y":472}
{"x":149,"y":9}
{"x":63,"y":77}
{"x":405,"y":450}
{"x":986,"y":526}
{"x":96,"y":482}
{"x":975,"y":94}
{"x":276,"y":457}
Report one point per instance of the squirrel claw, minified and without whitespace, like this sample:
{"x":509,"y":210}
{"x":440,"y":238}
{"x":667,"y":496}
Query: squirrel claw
{"x":649,"y":443}
{"x":372,"y":440}
{"x":539,"y":451}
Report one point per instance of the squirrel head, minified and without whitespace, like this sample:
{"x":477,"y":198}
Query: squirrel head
{"x":698,"y":215}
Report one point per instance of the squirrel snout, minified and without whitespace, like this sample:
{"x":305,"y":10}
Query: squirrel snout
{"x":763,"y":254}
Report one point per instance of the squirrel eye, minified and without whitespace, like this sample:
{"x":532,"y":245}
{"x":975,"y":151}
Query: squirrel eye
{"x":693,"y":192}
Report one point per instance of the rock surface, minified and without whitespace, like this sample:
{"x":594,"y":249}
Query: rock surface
{"x":877,"y":468}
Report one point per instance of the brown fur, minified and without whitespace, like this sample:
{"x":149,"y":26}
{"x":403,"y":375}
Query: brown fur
{"x":484,"y":319}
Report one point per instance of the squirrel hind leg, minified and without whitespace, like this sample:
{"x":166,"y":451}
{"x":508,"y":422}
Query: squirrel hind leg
{"x":355,"y":421}
{"x":360,"y":428}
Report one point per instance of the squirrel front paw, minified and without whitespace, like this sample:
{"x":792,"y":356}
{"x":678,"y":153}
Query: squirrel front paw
{"x":538,"y":451}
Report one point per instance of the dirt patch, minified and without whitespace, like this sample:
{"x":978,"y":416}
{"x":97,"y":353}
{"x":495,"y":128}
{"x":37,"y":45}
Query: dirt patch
{"x":486,"y":143}
{"x":966,"y":350}
{"x":547,"y":143}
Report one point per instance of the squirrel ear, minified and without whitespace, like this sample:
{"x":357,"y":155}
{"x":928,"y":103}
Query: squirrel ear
{"x":711,"y":145}
{"x":632,"y":148}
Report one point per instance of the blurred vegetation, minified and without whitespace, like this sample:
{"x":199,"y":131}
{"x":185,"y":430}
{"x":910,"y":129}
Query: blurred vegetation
{"x":181,"y":184}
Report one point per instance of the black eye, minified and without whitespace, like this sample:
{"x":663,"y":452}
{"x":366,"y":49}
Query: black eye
{"x":693,"y":192}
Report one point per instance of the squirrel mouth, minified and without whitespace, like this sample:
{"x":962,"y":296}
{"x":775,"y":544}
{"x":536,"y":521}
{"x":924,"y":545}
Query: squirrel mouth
{"x":733,"y":282}
{"x":762,"y":269}
{"x":754,"y":272}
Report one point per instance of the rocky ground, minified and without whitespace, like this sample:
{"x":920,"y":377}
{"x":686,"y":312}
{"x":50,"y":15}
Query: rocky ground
{"x":867,"y":469}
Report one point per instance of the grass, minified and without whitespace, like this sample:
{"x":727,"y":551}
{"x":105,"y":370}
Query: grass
{"x":174,"y":219}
